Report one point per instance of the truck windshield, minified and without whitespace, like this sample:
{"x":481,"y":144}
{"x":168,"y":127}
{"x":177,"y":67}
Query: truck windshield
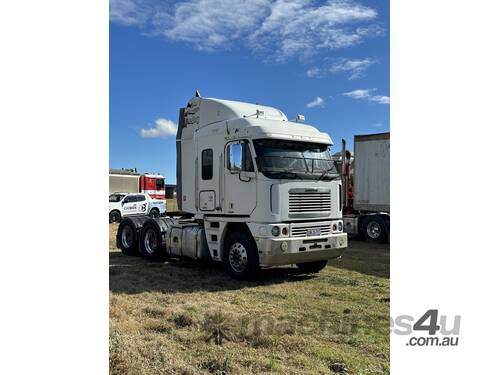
{"x":295,"y":160}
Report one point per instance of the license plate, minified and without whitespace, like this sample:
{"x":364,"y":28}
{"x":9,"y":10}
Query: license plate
{"x":313,"y":232}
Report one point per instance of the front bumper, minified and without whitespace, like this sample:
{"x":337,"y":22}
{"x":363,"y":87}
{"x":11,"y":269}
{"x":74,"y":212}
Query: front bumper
{"x":272,"y":251}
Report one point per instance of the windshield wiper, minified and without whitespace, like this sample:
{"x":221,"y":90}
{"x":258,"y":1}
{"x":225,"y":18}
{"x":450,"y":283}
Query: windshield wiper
{"x":325,"y":172}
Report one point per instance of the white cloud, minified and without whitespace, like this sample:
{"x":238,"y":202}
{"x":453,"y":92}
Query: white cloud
{"x":163,"y":128}
{"x":359,"y":94}
{"x":317,"y":102}
{"x":366,"y":94}
{"x":381,"y":99}
{"x":279,"y":29}
{"x":314,"y":72}
{"x":129,"y":12}
{"x":356,"y":68}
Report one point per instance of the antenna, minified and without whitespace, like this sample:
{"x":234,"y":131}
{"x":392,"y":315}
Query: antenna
{"x":197,"y":94}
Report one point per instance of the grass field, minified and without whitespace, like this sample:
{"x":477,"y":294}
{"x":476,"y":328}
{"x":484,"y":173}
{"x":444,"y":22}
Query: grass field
{"x":185,"y":318}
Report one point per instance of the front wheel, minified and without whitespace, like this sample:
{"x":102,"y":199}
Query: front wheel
{"x":312,"y":267}
{"x":241,"y":260}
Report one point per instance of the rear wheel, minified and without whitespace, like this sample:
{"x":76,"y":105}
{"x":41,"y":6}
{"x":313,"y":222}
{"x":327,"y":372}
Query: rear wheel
{"x":151,"y":243}
{"x":154,"y":213}
{"x":126,"y":238}
{"x":115,"y":217}
{"x":375,"y":229}
{"x":312,"y":267}
{"x":241,"y":260}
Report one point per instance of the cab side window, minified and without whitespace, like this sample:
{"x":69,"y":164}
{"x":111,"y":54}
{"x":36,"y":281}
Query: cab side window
{"x":207,"y":164}
{"x":140,"y":198}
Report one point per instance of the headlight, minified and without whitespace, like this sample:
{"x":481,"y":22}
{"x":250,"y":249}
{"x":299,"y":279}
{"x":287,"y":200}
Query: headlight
{"x":284,"y":231}
{"x":340,"y":226}
{"x":275,"y":231}
{"x":334,"y":227}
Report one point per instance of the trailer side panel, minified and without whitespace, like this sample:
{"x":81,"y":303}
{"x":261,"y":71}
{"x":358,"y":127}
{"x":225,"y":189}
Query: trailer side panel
{"x":372,"y":172}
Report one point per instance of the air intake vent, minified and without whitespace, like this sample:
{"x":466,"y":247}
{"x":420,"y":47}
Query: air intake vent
{"x":303,"y":201}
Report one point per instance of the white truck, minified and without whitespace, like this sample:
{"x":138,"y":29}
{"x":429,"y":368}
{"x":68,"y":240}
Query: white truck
{"x":255,"y":190}
{"x":366,"y":187}
{"x":124,"y":204}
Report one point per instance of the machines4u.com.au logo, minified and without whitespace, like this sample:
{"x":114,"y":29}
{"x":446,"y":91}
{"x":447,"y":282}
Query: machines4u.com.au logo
{"x":431,"y":329}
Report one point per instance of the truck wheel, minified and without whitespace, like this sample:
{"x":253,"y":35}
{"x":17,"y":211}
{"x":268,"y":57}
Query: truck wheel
{"x":126,"y":238}
{"x":115,"y":217}
{"x":374,"y":229}
{"x":150,"y":243}
{"x":241,"y":260}
{"x":154,"y":213}
{"x":312,"y":267}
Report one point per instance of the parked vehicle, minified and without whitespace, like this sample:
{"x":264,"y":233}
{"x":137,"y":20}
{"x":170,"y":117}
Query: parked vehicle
{"x":128,"y":180}
{"x":366,"y":187}
{"x":255,"y":190}
{"x":124,"y":204}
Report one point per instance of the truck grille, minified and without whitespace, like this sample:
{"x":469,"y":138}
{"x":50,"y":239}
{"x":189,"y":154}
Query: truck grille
{"x":305,"y":201}
{"x":309,"y":229}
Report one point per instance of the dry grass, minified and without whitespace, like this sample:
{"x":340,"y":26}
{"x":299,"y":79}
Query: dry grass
{"x":185,"y":318}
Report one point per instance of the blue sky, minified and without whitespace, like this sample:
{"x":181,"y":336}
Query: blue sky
{"x":328,"y":60}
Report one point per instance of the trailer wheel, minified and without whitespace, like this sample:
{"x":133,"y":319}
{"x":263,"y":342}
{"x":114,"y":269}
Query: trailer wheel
{"x":150,"y":243}
{"x":374,"y":229}
{"x":312,"y":267}
{"x":241,"y":260}
{"x":126,"y":238}
{"x":115,"y":216}
{"x":154,"y":213}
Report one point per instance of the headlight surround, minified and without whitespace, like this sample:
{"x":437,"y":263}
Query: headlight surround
{"x":275,"y":231}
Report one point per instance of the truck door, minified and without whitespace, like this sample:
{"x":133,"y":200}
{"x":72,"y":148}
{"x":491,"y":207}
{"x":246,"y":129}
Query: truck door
{"x":240,"y":186}
{"x":130,"y":205}
{"x":208,"y":180}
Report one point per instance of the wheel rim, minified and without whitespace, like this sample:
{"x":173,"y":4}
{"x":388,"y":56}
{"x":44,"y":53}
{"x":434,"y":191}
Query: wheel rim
{"x":127,"y":236}
{"x":238,"y":257}
{"x":374,"y":229}
{"x":114,"y":217}
{"x":150,"y":242}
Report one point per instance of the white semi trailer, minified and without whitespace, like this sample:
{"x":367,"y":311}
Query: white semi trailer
{"x":366,"y":187}
{"x":255,"y":190}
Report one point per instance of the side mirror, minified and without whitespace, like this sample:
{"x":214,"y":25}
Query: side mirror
{"x":235,"y":159}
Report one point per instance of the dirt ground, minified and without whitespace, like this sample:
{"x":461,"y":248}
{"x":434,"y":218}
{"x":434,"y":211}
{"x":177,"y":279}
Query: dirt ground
{"x":188,"y":318}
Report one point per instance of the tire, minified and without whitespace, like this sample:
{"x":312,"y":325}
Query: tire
{"x":115,"y":216}
{"x":240,"y":257}
{"x":374,"y":229}
{"x":150,"y":243}
{"x":126,"y":238}
{"x":312,"y":267}
{"x":154,"y":213}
